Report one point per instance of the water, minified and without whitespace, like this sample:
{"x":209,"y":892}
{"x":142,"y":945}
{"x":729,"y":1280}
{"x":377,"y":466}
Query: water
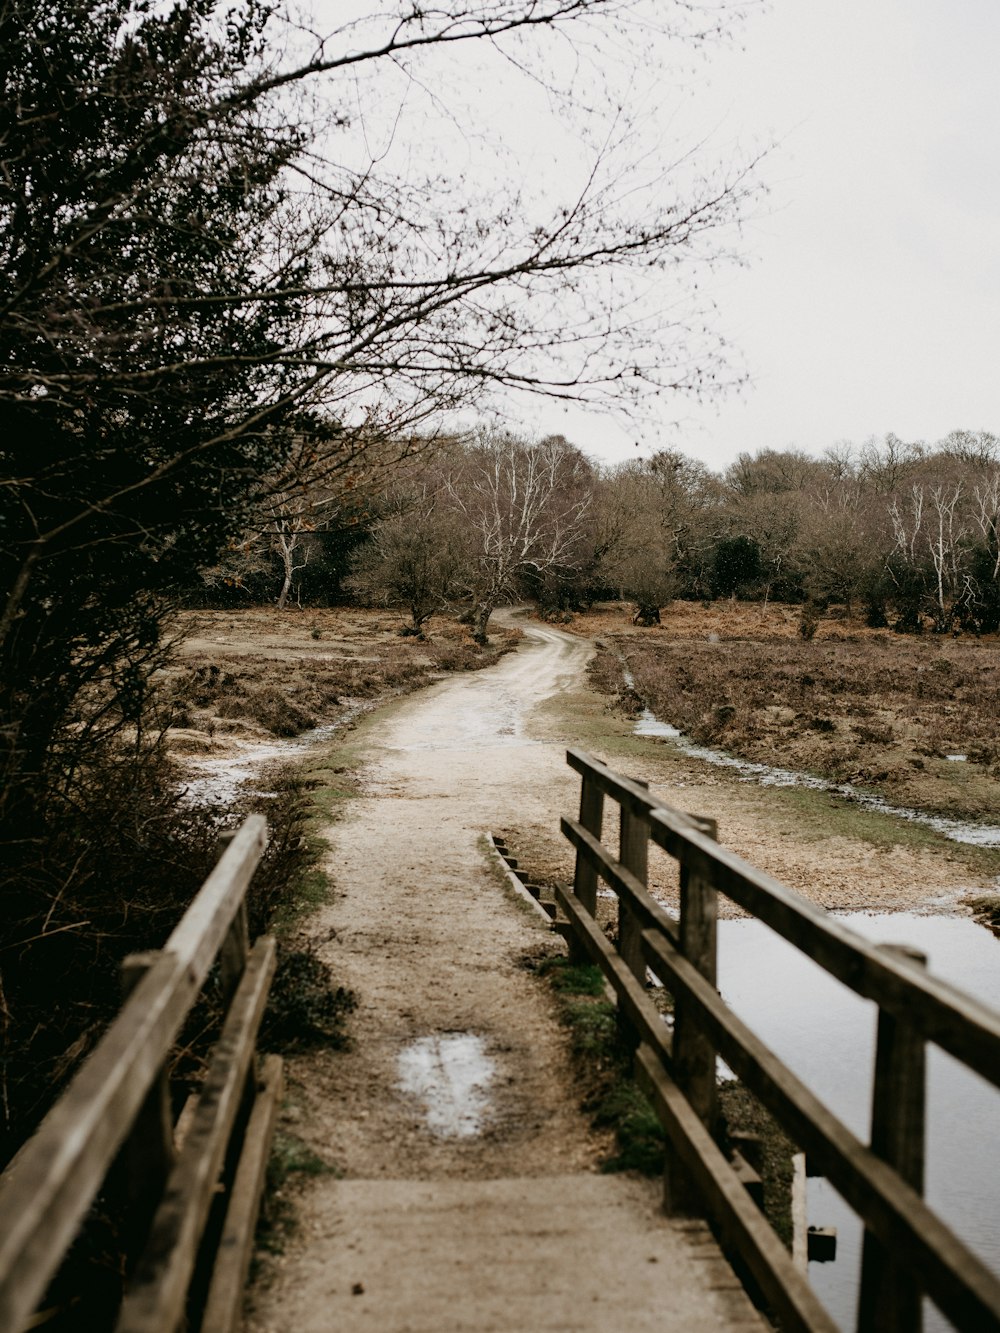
{"x":222,"y":780}
{"x":826,"y":1035}
{"x":978,"y":835}
{"x":450,"y":1076}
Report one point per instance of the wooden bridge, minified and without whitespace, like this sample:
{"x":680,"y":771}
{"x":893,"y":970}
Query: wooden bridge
{"x":192,"y":1185}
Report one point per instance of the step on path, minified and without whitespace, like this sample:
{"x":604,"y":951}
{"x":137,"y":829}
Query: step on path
{"x":577,"y":1254}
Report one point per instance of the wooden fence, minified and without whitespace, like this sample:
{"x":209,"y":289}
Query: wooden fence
{"x":116,"y":1115}
{"x":907,"y":1248}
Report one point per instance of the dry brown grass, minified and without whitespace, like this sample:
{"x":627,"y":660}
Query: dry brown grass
{"x":284,"y":672}
{"x":866,"y":706}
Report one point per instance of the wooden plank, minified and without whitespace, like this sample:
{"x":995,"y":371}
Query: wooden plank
{"x":584,"y":873}
{"x":591,"y":818}
{"x":225,"y":1294}
{"x":694,"y":1053}
{"x":890,"y":1296}
{"x":632,"y":794}
{"x":642,"y":904}
{"x":154,"y":1302}
{"x":198,"y":935}
{"x":633,"y":856}
{"x":966,"y":1291}
{"x":959,"y":1023}
{"x":800,"y":1223}
{"x":148,"y":1152}
{"x":743,"y":1227}
{"x":47,"y":1189}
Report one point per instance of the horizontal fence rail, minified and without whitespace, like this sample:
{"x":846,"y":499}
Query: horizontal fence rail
{"x":908,"y":1249}
{"x":117,"y":1113}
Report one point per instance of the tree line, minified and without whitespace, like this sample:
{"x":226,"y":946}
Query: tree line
{"x":905,"y":534}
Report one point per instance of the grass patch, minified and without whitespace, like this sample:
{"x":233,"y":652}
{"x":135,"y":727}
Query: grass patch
{"x":574,"y":978}
{"x":986,"y":909}
{"x":603,"y":1061}
{"x":290,"y":1159}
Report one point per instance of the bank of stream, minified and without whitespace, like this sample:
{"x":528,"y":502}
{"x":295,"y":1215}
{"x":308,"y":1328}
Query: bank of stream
{"x":768,"y":775}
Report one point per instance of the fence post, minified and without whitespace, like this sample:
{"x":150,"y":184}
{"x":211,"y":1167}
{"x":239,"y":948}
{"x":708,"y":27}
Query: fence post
{"x":633,"y":854}
{"x":147,"y":1155}
{"x":694,"y":1055}
{"x":235,"y":948}
{"x":585,"y":876}
{"x":890,"y":1296}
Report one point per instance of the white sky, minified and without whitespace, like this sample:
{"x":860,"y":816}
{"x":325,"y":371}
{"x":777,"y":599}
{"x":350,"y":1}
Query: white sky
{"x":872,"y":300}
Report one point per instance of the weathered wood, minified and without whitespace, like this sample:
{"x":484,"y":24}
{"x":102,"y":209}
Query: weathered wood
{"x":591,"y":818}
{"x":148,"y":1153}
{"x":890,"y":1296}
{"x":225,"y":1294}
{"x":743,"y":1227}
{"x":46,"y":1191}
{"x":641,"y":903}
{"x":154,"y":1302}
{"x":694,"y":1052}
{"x":965,"y":1290}
{"x":633,"y":854}
{"x":234,"y":951}
{"x":632,"y":794}
{"x":198,"y":936}
{"x":800,"y":1222}
{"x":916,"y":1008}
{"x":585,"y":874}
{"x":962,"y":1025}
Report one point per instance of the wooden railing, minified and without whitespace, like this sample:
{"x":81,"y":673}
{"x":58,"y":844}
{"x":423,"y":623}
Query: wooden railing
{"x":116,"y":1115}
{"x":907,"y":1250}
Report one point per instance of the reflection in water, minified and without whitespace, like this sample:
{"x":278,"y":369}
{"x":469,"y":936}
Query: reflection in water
{"x":826,"y":1035}
{"x":451,"y":1076}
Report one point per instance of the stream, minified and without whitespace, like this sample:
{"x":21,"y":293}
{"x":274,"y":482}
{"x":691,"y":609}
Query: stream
{"x":767,"y":775}
{"x":222,"y":779}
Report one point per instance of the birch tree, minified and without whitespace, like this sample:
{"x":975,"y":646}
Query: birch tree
{"x":520,"y":505}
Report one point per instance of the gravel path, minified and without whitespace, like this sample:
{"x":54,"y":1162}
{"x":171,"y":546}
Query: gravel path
{"x":453,"y":1119}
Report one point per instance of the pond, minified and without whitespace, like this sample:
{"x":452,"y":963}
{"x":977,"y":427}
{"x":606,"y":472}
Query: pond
{"x":826,"y":1035}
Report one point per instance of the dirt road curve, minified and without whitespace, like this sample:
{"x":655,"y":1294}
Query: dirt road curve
{"x":469,"y":1199}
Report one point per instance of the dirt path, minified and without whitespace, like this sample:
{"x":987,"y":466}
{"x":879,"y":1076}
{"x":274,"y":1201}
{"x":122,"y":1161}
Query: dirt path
{"x":452,"y":1119}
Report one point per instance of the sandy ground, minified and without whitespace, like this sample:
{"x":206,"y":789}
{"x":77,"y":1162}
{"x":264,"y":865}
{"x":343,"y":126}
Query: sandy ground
{"x":423,"y":929}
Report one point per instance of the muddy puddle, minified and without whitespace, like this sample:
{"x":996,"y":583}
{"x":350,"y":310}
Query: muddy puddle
{"x":767,"y":775}
{"x":826,"y":1035}
{"x":220,"y":780}
{"x":450,"y":1077}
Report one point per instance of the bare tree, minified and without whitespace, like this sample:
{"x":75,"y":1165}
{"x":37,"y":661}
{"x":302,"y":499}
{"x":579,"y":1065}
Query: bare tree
{"x":521,"y":505}
{"x":413,"y":556}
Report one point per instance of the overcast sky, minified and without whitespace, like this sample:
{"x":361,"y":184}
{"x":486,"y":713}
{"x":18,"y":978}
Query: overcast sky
{"x":872,"y":299}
